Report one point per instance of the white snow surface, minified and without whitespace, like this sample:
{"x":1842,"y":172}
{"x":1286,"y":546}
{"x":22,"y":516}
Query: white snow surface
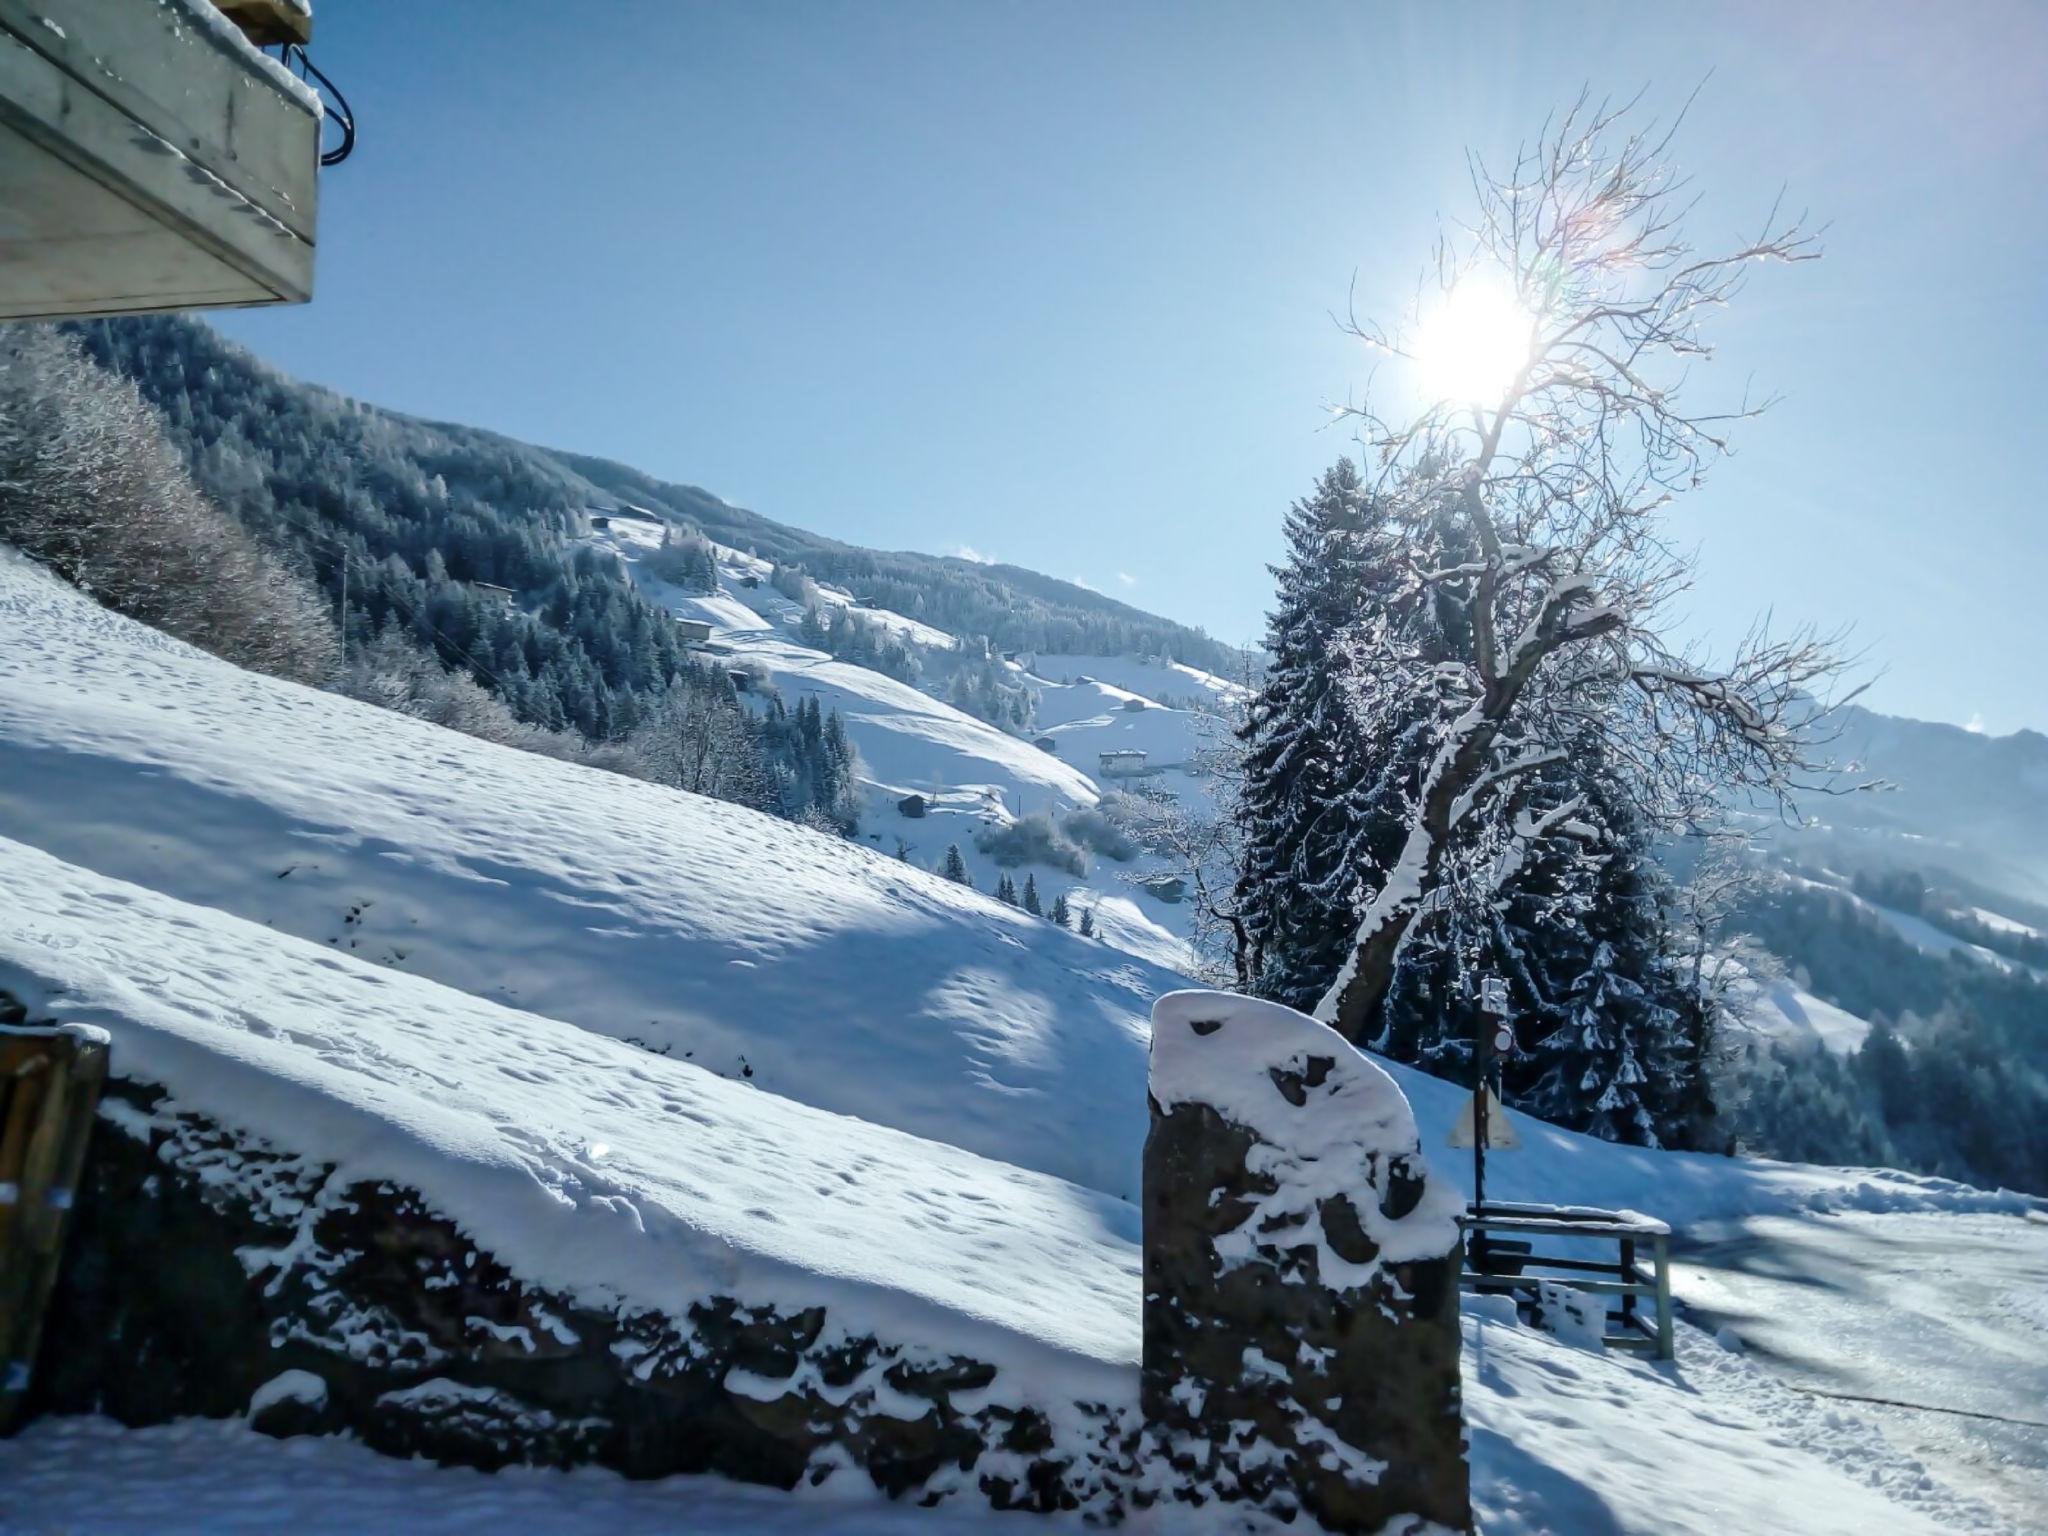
{"x":1784,"y":1011}
{"x":1156,"y":678}
{"x":972,"y":776}
{"x":420,"y":956}
{"x":837,"y":976}
{"x":1916,"y":930}
{"x":846,"y":980}
{"x":289,"y":1387}
{"x":1998,"y":923}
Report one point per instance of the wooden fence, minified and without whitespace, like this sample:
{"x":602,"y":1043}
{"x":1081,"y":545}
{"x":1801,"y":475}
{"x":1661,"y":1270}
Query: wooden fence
{"x":1501,"y":1257}
{"x":50,"y":1080}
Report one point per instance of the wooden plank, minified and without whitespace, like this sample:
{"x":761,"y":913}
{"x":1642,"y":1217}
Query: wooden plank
{"x":1576,"y":1266}
{"x":1557,"y":1228}
{"x":1575,"y":1215}
{"x":25,"y":1085}
{"x":1481,"y":1280}
{"x":266,"y":23}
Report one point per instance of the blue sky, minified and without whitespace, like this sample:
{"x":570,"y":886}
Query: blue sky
{"x":1053,"y":282}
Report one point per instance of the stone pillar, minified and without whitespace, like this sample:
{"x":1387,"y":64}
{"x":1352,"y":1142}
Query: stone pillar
{"x":1301,"y":1276}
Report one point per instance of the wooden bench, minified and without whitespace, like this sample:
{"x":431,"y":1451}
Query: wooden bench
{"x":1501,"y":1258}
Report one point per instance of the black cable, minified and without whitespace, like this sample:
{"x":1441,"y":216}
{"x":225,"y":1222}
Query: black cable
{"x":341,"y":113}
{"x":1892,"y":1402}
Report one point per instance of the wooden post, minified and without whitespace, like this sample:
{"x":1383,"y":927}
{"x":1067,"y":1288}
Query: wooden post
{"x":50,"y":1081}
{"x":1628,"y":1274}
{"x":1667,"y":1347}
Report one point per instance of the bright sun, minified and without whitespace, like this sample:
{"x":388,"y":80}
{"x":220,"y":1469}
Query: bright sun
{"x":1469,"y":348}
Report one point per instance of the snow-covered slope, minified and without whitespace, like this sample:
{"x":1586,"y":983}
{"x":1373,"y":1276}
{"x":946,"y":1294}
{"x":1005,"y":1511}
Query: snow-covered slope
{"x":1783,"y":1011}
{"x":972,"y":777}
{"x":588,"y":1166}
{"x":427,"y":958}
{"x":1163,"y":681}
{"x":818,"y":971}
{"x":1954,"y":800}
{"x":826,"y":973}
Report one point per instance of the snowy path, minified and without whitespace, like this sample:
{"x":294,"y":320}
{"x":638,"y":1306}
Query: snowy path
{"x":1948,"y":1312}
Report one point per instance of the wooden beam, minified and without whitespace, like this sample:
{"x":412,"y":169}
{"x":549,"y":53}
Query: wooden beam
{"x":267,"y":23}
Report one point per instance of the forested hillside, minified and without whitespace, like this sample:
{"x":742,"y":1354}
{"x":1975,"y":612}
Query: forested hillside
{"x":1953,"y":1077}
{"x":430,"y":509}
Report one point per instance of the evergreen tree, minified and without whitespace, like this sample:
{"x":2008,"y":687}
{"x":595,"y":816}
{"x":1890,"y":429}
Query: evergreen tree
{"x":1602,"y":1005}
{"x":1060,"y":913}
{"x":813,"y":631}
{"x":955,"y":867}
{"x":1006,"y":890}
{"x":1087,"y":922}
{"x":1031,"y":896}
{"x":1316,"y":808}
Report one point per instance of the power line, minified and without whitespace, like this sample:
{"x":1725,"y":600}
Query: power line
{"x":1892,"y":1402}
{"x":414,"y":615}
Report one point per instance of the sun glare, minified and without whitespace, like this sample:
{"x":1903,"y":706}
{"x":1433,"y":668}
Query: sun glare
{"x":1469,"y":348}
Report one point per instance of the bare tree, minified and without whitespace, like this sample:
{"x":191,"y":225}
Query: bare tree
{"x":1535,"y":516}
{"x":1203,"y":843}
{"x":90,"y":485}
{"x":1721,"y":960}
{"x":704,"y":745}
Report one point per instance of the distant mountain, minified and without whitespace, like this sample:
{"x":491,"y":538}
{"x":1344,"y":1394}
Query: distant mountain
{"x":435,"y":522}
{"x":1969,"y":808}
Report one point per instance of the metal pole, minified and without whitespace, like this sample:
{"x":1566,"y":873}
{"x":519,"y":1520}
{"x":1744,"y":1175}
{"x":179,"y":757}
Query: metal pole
{"x":1482,"y":1055}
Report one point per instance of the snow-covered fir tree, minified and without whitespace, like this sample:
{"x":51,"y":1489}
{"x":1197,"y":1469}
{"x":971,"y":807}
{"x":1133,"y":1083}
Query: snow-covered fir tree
{"x":1611,"y":1038}
{"x":1061,"y":913}
{"x":1319,"y":803}
{"x":1335,"y":755}
{"x":1031,"y":903}
{"x":955,"y":867}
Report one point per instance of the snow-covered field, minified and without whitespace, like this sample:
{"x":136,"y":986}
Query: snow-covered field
{"x":972,"y":776}
{"x":649,"y":1047}
{"x":1780,"y":1010}
{"x":1943,"y":1317}
{"x":820,"y":971}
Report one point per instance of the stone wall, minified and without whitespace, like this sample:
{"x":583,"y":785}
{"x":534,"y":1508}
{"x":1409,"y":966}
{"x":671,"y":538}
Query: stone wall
{"x":204,"y":1271}
{"x":1300,"y":1319}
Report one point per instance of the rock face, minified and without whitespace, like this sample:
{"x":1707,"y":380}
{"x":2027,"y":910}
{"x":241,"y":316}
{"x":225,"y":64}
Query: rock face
{"x":208,"y":1274}
{"x":1301,"y":1277}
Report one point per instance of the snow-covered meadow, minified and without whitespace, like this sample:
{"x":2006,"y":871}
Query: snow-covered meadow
{"x":647,"y":1048}
{"x":973,"y":777}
